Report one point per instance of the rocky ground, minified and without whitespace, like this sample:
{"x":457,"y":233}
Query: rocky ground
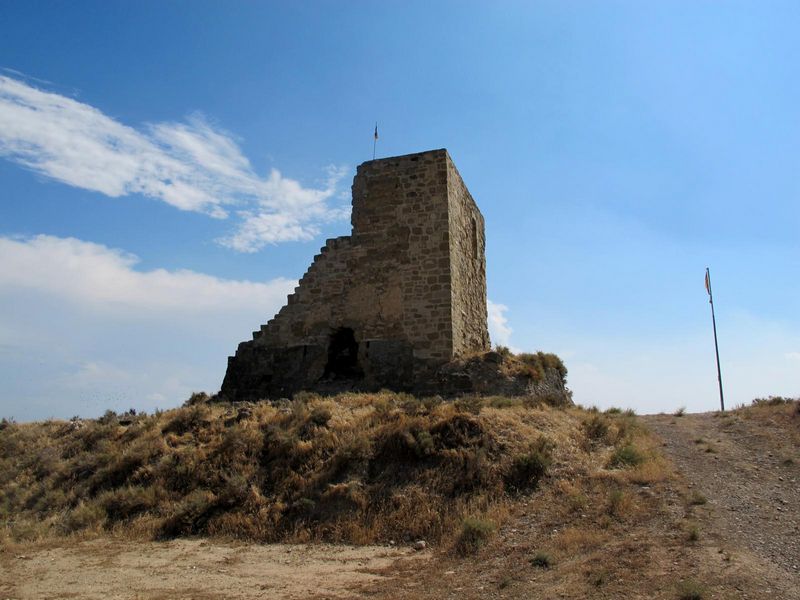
{"x":747,"y":466}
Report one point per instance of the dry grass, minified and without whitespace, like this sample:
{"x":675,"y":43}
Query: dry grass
{"x":774,"y":411}
{"x":356,"y":468}
{"x":359,"y":468}
{"x":574,"y":540}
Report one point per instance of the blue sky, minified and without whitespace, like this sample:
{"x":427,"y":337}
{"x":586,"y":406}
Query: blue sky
{"x":168,"y":170}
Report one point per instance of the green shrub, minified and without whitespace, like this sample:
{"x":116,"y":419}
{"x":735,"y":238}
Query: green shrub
{"x":109,"y":418}
{"x":772,"y":401}
{"x":528,"y":469}
{"x":697,"y":499}
{"x":83,"y":516}
{"x":625,"y":456}
{"x":542,"y":560}
{"x":537,"y":364}
{"x":197,"y":398}
{"x":690,"y":590}
{"x":618,"y":503}
{"x":596,"y":428}
{"x":504,"y":402}
{"x":503,"y":351}
{"x":474,"y":534}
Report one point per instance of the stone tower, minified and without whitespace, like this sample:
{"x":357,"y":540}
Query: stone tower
{"x":387,"y":305}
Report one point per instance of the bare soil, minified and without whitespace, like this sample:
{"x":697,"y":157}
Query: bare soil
{"x":747,"y":465}
{"x":192,"y":569}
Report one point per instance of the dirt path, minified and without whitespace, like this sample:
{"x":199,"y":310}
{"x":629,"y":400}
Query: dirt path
{"x":193,"y":569}
{"x":747,"y":467}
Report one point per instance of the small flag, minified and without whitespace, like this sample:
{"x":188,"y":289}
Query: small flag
{"x":376,"y":131}
{"x":708,"y":283}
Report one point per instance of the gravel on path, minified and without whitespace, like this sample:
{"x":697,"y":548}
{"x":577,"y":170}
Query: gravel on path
{"x":748,"y":472}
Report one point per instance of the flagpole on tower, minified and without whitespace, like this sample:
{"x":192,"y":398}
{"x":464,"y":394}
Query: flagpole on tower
{"x":716,"y":346}
{"x":375,"y":141}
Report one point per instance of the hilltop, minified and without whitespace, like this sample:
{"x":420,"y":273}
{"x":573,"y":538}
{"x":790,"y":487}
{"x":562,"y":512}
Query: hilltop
{"x":513,"y":498}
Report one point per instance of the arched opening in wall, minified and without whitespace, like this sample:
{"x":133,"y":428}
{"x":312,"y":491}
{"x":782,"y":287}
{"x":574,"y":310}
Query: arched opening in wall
{"x":343,"y":356}
{"x":474,"y":239}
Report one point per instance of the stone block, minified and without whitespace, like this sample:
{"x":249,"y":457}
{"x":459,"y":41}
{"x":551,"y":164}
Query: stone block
{"x":402,"y":295}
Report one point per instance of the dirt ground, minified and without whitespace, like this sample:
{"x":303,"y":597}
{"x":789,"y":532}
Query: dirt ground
{"x":107,"y":569}
{"x":747,"y":466}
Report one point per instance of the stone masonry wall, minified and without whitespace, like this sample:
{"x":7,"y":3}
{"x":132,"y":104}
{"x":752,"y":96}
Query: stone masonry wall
{"x":468,"y":268}
{"x":409,"y":285}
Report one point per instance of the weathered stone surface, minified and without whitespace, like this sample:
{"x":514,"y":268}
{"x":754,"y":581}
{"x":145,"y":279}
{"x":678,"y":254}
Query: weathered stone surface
{"x":490,"y":374}
{"x":388,"y":305}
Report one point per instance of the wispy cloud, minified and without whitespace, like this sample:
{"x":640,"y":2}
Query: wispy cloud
{"x":288,"y":212}
{"x":191,"y":165}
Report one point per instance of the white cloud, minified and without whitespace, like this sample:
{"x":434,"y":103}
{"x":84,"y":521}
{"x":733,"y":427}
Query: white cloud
{"x":287,"y":212}
{"x":793,"y":356}
{"x":499,"y":329}
{"x":82,"y":330}
{"x":103,"y":278}
{"x":191,"y":166}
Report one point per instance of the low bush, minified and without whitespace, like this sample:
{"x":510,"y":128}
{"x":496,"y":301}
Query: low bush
{"x":690,"y":590}
{"x":474,"y":534}
{"x":535,"y":365}
{"x":773,"y":401}
{"x":190,"y":516}
{"x":528,"y":469}
{"x":83,"y":516}
{"x":625,"y":456}
{"x":619,"y":503}
{"x":697,"y":499}
{"x":469,"y":404}
{"x":197,"y":398}
{"x":542,"y":560}
{"x":596,"y":428}
{"x":693,"y":534}
{"x":124,"y":503}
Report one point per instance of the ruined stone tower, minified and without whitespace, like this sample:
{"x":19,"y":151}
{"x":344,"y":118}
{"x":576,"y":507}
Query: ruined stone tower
{"x":387,"y":305}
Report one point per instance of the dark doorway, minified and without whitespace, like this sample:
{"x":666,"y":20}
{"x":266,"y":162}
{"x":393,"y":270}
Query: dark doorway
{"x":343,"y":356}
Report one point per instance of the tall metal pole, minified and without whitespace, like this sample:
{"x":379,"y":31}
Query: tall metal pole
{"x":716,"y":345}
